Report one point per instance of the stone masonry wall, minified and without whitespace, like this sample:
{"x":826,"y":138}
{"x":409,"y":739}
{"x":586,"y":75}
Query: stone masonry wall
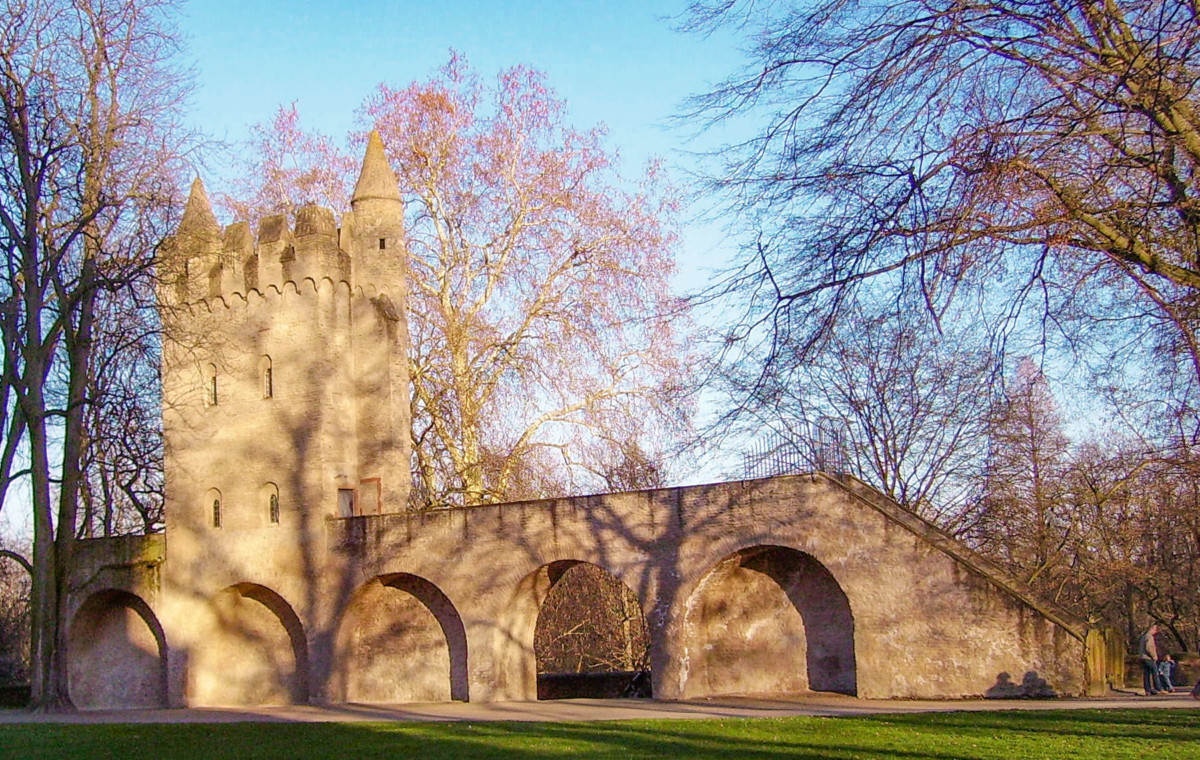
{"x":915,"y":622}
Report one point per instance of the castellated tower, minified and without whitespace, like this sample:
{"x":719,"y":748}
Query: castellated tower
{"x":285,"y":384}
{"x":286,"y":361}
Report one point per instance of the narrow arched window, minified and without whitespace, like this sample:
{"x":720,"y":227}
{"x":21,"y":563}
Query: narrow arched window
{"x":210,"y":385}
{"x":274,"y":507}
{"x":212,"y":504}
{"x":266,"y":376}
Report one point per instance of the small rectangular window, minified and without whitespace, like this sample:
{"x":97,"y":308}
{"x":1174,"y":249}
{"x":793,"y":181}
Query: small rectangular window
{"x":346,"y":502}
{"x":216,"y":513}
{"x":383,"y":244}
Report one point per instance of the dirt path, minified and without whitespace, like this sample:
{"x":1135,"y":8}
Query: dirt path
{"x":592,"y":709}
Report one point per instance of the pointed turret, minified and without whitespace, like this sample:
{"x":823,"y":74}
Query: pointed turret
{"x":192,"y":257}
{"x":373,"y":232}
{"x":377,"y":181}
{"x":198,"y":216}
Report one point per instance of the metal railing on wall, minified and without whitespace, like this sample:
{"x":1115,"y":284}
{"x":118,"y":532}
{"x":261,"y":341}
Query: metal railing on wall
{"x":804,"y":446}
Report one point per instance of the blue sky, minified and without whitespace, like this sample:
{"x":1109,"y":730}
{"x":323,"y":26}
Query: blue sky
{"x":620,"y":63}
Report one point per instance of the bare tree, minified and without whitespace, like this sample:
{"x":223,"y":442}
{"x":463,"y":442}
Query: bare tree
{"x":545,"y":341}
{"x":908,"y":407}
{"x":1025,"y":516}
{"x":89,"y":148}
{"x":1121,"y":542}
{"x":122,"y":490}
{"x":1004,"y":154}
{"x":1166,"y":575}
{"x":1107,"y":526}
{"x":590,"y":622}
{"x":540,"y":285}
{"x":284,"y":167}
{"x":1138,"y":553}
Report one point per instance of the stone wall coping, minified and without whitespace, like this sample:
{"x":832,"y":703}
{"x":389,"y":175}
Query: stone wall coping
{"x":126,"y":551}
{"x":95,"y":555}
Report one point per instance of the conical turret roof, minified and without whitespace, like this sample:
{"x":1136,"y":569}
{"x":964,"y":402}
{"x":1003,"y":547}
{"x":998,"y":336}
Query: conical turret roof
{"x":198,"y":215}
{"x":377,"y":180}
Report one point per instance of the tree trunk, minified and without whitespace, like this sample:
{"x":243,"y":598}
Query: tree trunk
{"x":48,"y":691}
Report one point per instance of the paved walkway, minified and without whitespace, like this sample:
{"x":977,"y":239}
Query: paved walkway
{"x":593,"y":709}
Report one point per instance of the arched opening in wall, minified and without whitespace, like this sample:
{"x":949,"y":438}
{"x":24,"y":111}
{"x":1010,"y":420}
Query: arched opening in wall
{"x":573,"y":629}
{"x":768,"y":620}
{"x":117,"y":654}
{"x":252,"y":652}
{"x":401,"y":640}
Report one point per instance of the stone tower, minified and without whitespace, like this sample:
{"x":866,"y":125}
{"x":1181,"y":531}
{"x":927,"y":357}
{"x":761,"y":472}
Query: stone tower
{"x":285,"y":375}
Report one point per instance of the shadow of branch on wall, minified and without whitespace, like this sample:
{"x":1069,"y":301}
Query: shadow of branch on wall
{"x":770,"y":587}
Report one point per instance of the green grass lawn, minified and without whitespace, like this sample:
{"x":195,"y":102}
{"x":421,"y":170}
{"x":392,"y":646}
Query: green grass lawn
{"x":1090,"y":734}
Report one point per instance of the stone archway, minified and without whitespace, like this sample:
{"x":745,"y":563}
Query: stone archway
{"x":401,"y":640}
{"x":580,"y":600}
{"x":252,"y":652}
{"x":768,"y":620}
{"x":117,"y":654}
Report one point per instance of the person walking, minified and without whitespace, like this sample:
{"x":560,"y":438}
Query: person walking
{"x":1148,"y":655}
{"x":1166,"y":674}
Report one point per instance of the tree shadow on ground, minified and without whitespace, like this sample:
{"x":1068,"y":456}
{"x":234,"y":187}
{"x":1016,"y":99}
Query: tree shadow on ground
{"x":1100,"y":733}
{"x":1150,"y":724}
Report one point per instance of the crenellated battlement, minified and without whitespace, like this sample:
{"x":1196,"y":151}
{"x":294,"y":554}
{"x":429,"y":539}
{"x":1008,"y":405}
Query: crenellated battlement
{"x":205,"y":261}
{"x":221,"y":263}
{"x":277,"y":255}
